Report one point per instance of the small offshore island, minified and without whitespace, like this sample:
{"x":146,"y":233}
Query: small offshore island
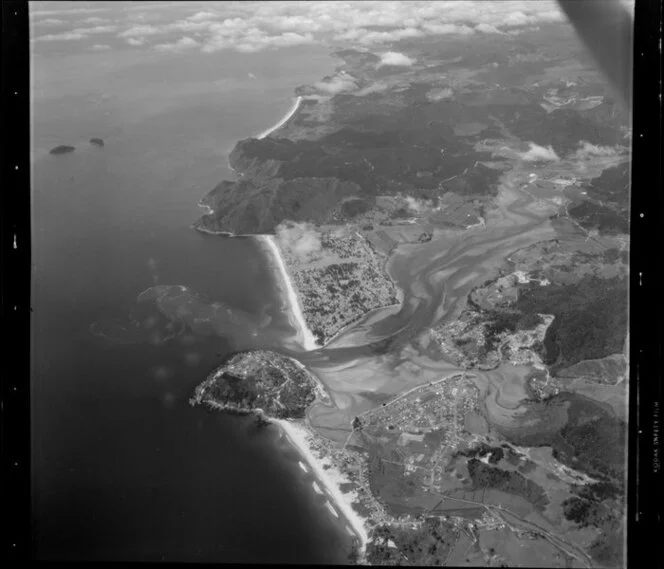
{"x":98,"y":142}
{"x":62,"y":149}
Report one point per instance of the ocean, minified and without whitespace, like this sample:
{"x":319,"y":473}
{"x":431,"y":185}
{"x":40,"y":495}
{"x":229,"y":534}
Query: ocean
{"x":123,"y":467}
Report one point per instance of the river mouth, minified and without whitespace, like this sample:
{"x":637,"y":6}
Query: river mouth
{"x":388,"y":351}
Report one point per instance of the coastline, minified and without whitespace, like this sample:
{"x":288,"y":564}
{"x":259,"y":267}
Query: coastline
{"x":308,"y":339}
{"x":294,"y":108}
{"x":331,"y":479}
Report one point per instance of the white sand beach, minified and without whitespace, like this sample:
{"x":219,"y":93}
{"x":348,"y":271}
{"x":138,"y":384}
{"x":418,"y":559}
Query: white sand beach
{"x":330,"y":478}
{"x":296,"y":105}
{"x":308,"y":340}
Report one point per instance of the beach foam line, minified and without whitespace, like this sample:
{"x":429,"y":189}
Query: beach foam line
{"x":331,"y":508}
{"x":308,"y":339}
{"x":207,"y":208}
{"x":296,"y":105}
{"x":317,"y":489}
{"x":299,"y":437}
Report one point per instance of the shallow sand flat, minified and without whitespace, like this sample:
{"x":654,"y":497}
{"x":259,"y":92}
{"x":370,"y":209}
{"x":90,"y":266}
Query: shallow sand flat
{"x":362,"y":333}
{"x":510,"y":381}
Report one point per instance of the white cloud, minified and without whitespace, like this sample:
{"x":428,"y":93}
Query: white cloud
{"x":76,"y":34}
{"x":395,"y":58}
{"x":518,"y":18}
{"x":587,"y":150}
{"x":366,"y":37}
{"x":182,"y":44}
{"x":377,"y":87}
{"x":142,"y":30}
{"x":538,"y":153}
{"x":100,"y":47}
{"x":94,"y":20}
{"x":201,"y":16}
{"x":96,"y":30}
{"x":65,"y":36}
{"x":444,"y":29}
{"x":187,"y":26}
{"x":257,"y":26}
{"x":136,"y":41}
{"x":299,"y":239}
{"x":439,"y":94}
{"x":48,"y":22}
{"x":336,"y":84}
{"x":36,"y":13}
{"x":487,"y":29}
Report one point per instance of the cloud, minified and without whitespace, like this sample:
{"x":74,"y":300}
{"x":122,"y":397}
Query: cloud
{"x":256,"y":26}
{"x":64,"y":36}
{"x":445,"y":29}
{"x":439,"y":94}
{"x":336,"y":84}
{"x":395,"y":58}
{"x":237,"y":34}
{"x":365,"y":37}
{"x":201,"y":16}
{"x":301,"y":240}
{"x":100,"y":47}
{"x":77,"y":33}
{"x":377,"y":87}
{"x":141,"y":30}
{"x":96,"y":30}
{"x":487,"y":29}
{"x":418,"y":206}
{"x":94,"y":20}
{"x":251,"y":75}
{"x":37,"y":13}
{"x":48,"y":22}
{"x":183,"y":44}
{"x":587,"y":150}
{"x":136,"y":41}
{"x":187,"y":26}
{"x":538,"y":153}
{"x":518,"y":18}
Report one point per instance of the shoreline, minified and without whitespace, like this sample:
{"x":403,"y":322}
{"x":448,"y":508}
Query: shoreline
{"x":294,"y":108}
{"x":309,"y":342}
{"x":298,"y":436}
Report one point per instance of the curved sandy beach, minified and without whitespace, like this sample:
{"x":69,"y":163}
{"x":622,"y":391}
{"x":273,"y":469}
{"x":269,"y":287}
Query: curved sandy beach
{"x":307,"y":338}
{"x":296,"y":105}
{"x":331,"y":479}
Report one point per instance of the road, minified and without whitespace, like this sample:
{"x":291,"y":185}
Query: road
{"x":561,"y":544}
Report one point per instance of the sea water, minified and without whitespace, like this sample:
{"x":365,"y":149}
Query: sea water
{"x":123,"y":468}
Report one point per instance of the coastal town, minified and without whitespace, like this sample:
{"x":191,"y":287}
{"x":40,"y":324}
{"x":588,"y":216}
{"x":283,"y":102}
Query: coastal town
{"x":339,"y":280}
